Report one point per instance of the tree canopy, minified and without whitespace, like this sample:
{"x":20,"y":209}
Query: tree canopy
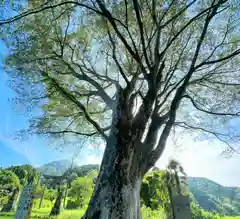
{"x":8,"y":182}
{"x":80,"y":192}
{"x":130,"y":72}
{"x":180,"y":60}
{"x":24,"y":172}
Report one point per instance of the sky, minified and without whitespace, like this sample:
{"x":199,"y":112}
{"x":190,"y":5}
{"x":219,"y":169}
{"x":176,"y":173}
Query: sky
{"x":201,"y":158}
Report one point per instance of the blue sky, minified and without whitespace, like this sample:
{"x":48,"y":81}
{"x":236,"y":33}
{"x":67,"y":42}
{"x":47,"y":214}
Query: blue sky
{"x":35,"y":150}
{"x":202,"y":158}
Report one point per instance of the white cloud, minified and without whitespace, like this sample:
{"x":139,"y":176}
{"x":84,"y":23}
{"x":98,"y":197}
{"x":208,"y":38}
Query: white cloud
{"x":93,"y":159}
{"x":204,"y":159}
{"x":102,"y":147}
{"x":23,"y":148}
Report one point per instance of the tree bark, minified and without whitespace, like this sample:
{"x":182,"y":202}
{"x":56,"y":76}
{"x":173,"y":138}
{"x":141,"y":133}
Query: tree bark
{"x":57,"y":207}
{"x":115,"y":199}
{"x":117,"y":190}
{"x":11,"y":204}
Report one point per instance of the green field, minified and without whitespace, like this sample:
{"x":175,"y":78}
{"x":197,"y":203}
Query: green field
{"x":238,"y":217}
{"x":66,"y":214}
{"x":42,"y":213}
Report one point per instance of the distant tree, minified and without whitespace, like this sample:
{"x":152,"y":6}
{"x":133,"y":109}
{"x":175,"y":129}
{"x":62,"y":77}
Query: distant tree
{"x":81,"y":191}
{"x":8,"y":181}
{"x":68,"y":180}
{"x":199,"y":213}
{"x":58,"y":183}
{"x":24,"y":172}
{"x":58,"y":204}
{"x":50,"y":194}
{"x":92,"y":174}
{"x":10,"y":186}
{"x":154,"y":192}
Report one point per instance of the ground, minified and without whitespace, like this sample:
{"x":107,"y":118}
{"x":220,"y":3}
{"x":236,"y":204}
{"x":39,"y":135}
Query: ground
{"x":40,"y":213}
{"x":67,"y":214}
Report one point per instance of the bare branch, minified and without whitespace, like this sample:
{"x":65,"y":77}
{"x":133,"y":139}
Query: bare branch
{"x":156,"y":153}
{"x":75,"y":132}
{"x":218,"y":135}
{"x":88,"y":79}
{"x":108,"y":15}
{"x":233,"y":54}
{"x":207,"y":111}
{"x":44,"y":7}
{"x":115,"y":57}
{"x":140,"y":24}
{"x":69,"y":96}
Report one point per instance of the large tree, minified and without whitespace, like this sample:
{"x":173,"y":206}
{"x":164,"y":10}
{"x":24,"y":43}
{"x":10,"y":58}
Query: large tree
{"x":10,"y":187}
{"x":129,"y":72}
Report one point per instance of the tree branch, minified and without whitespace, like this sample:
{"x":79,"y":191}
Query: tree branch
{"x":108,"y":15}
{"x":235,"y":53}
{"x":212,"y":7}
{"x":115,"y":57}
{"x":75,"y":101}
{"x":140,"y":24}
{"x":43,"y":8}
{"x":156,"y":153}
{"x":76,"y":132}
{"x":218,"y":135}
{"x":84,"y":77}
{"x":207,"y":111}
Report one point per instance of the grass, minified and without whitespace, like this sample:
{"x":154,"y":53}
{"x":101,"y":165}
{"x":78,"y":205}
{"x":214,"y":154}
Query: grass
{"x":237,"y":217}
{"x":44,"y":212}
{"x":66,"y":214}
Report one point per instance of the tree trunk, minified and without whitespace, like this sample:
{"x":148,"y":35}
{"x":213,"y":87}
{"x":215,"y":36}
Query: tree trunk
{"x":114,"y":200}
{"x":117,"y":191}
{"x":42,"y":196}
{"x":57,"y":207}
{"x":65,"y":196}
{"x":11,"y":204}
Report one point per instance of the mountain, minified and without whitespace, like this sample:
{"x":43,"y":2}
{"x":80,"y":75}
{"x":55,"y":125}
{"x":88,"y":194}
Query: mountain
{"x":214,"y":197}
{"x":210,"y":195}
{"x":58,"y":168}
{"x":55,"y":168}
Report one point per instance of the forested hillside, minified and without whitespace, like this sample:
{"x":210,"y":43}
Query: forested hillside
{"x":209,"y":195}
{"x":55,"y":167}
{"x":212,"y":196}
{"x":58,"y":168}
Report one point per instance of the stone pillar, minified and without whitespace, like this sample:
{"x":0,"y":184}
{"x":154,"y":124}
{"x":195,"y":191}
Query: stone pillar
{"x":181,"y":207}
{"x":180,"y":201}
{"x":25,"y":202}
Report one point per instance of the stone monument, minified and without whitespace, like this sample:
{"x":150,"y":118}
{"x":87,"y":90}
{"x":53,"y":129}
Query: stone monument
{"x":25,"y":201}
{"x":181,"y":202}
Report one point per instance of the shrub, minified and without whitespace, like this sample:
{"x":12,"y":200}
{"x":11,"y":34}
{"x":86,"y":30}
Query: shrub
{"x":72,"y":204}
{"x":45,"y":203}
{"x":147,"y":213}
